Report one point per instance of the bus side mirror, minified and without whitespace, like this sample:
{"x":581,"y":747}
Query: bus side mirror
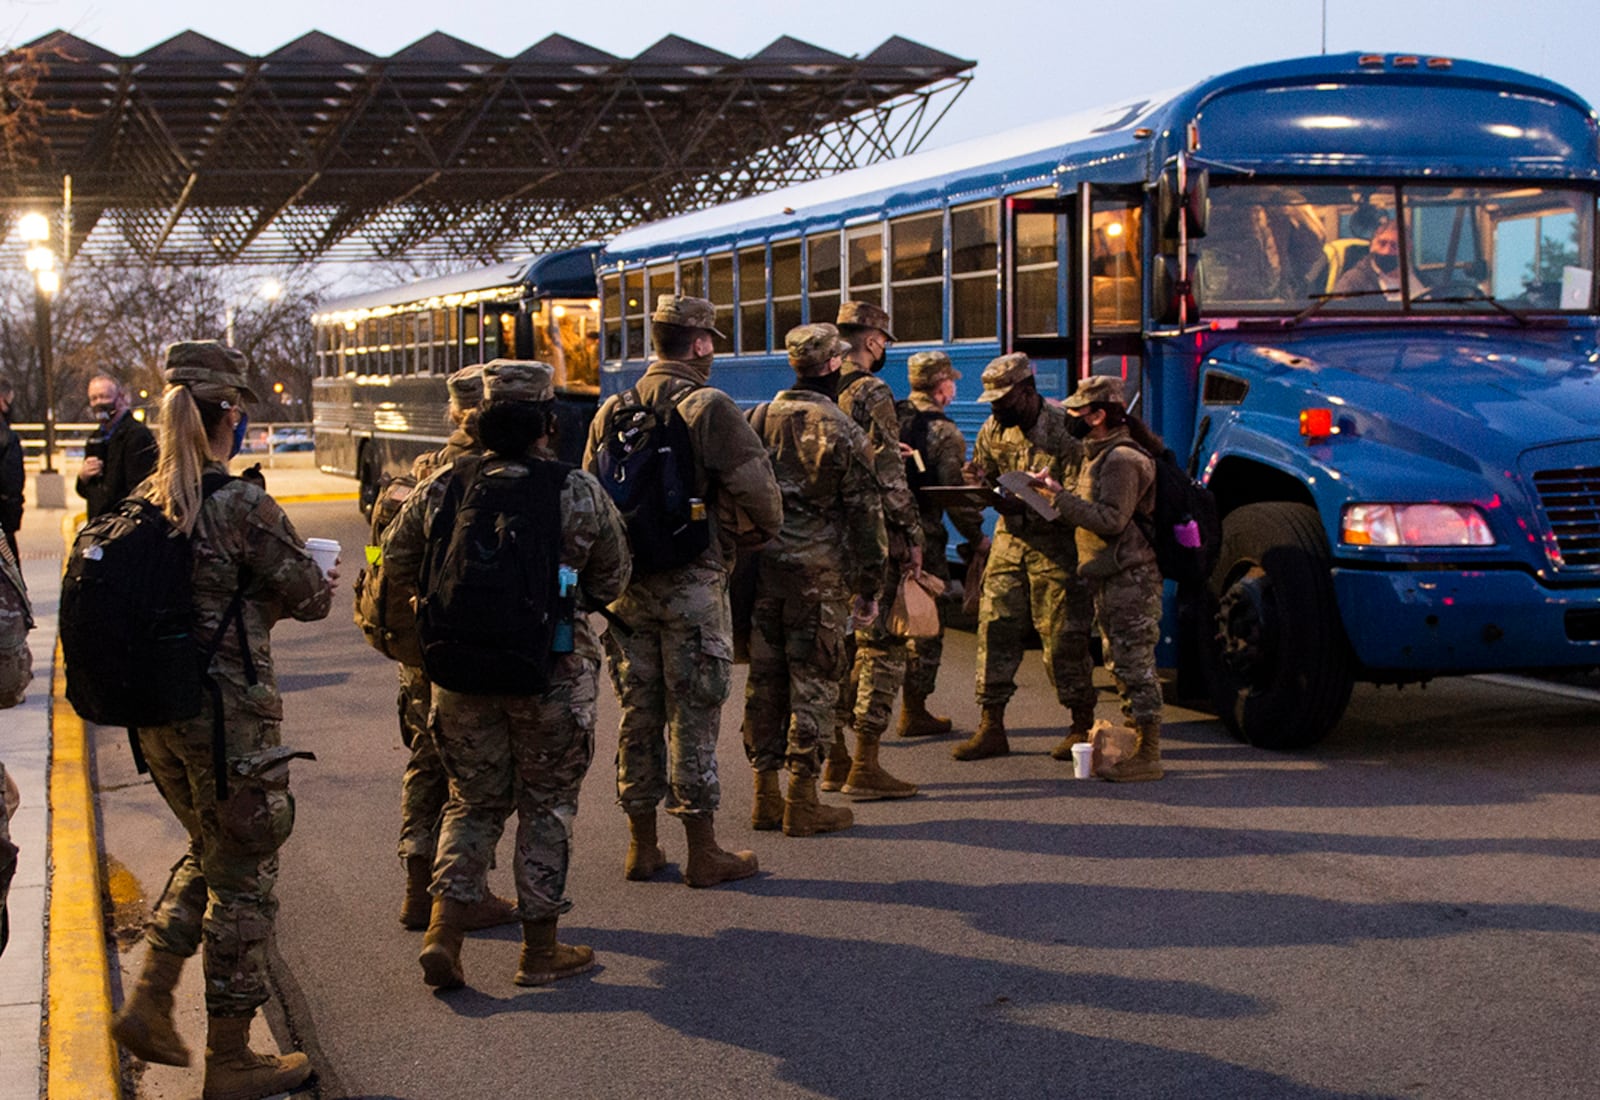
{"x":1194,"y":204}
{"x":1168,"y":292}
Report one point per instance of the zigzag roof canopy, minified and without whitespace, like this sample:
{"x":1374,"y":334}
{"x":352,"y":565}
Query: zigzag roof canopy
{"x":193,"y":152}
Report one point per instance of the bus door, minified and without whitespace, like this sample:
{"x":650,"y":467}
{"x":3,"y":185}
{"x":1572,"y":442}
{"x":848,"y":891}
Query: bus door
{"x":1108,"y":262}
{"x":1039,"y":301}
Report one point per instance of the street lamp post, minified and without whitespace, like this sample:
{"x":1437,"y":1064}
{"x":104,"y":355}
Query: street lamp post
{"x":41,"y":261}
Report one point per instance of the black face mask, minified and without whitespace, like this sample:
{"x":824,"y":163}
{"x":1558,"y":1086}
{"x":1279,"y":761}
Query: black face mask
{"x":1386,"y":262}
{"x":877,"y":364}
{"x":825,"y":384}
{"x":1077,"y":427}
{"x":1007,"y":417}
{"x":103,"y":413}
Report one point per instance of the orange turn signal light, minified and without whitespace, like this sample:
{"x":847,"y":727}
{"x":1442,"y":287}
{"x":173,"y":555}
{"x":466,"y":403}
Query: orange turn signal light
{"x":1316,"y":423}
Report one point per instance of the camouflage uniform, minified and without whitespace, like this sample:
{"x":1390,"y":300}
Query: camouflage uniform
{"x":222,"y":888}
{"x":832,"y":547}
{"x":869,"y":692}
{"x":1116,"y":480}
{"x":944,"y":455}
{"x":425,"y":787}
{"x":528,"y":752}
{"x":16,"y":619}
{"x":1032,"y":572}
{"x":672,"y":672}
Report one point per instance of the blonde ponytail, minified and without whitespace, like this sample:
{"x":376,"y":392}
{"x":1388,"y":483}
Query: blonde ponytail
{"x":185,"y":450}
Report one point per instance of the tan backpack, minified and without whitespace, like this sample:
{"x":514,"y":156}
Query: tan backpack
{"x":384,"y":610}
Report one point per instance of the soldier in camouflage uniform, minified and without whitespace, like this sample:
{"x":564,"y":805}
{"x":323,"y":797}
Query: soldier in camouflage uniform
{"x":879,"y":665}
{"x":529,"y":752}
{"x":16,"y":670}
{"x":671,"y":672}
{"x":16,"y":619}
{"x":941,"y":454}
{"x":219,"y":899}
{"x":832,"y":547}
{"x":425,"y":787}
{"x":1116,"y":482}
{"x":1033,"y":566}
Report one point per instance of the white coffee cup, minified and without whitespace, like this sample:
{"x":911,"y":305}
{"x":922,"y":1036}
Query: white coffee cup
{"x":1082,"y":760}
{"x":325,"y":552}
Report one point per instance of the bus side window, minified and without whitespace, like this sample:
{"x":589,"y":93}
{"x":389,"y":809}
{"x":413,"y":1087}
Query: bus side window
{"x":974,"y":260}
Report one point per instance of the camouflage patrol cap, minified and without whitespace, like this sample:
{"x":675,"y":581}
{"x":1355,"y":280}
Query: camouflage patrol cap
{"x":210,"y":369}
{"x":813,"y":345}
{"x":1003,"y":373}
{"x":518,"y":380}
{"x":926,"y":369}
{"x":687,"y":312}
{"x":1098,"y":389}
{"x":466,"y":386}
{"x":864,"y":315}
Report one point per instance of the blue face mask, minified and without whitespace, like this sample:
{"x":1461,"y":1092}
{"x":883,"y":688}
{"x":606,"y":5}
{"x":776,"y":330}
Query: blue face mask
{"x":238,"y":433}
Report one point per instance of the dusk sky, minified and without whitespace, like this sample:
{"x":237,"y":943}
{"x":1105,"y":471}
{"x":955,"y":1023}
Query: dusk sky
{"x":1035,"y":59}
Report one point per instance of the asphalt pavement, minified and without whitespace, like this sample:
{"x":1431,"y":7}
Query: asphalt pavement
{"x":1409,"y":910}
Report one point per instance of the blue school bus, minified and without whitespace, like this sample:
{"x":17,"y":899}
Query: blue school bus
{"x":1357,"y":292}
{"x":378,"y":389}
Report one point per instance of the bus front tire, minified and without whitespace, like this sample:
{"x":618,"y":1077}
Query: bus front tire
{"x":1279,"y":665}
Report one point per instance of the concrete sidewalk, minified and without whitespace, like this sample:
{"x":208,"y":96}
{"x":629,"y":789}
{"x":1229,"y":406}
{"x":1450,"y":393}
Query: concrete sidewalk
{"x":26,"y":746}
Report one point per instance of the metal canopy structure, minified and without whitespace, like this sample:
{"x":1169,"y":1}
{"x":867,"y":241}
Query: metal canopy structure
{"x":193,"y":152}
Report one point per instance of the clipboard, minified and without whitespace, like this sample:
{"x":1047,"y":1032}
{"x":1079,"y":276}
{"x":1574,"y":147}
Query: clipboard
{"x":1019,"y":483}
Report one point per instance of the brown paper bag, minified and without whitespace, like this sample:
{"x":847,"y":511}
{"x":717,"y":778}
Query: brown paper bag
{"x":972,"y":586}
{"x":915,"y":613}
{"x":1112,"y":744}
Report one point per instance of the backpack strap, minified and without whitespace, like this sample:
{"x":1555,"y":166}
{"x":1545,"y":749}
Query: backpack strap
{"x":234,"y":616}
{"x":1145,"y":521}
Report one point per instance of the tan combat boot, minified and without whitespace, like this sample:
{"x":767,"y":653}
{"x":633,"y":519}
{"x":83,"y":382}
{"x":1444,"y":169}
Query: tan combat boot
{"x":836,"y":769}
{"x":490,"y":911}
{"x":804,"y":815}
{"x":917,"y":721}
{"x":1145,"y":763}
{"x":441,"y":946}
{"x":144,"y":1026}
{"x":868,"y":780}
{"x":544,"y":960}
{"x":235,"y":1072}
{"x":990,"y":740}
{"x":707,"y":864}
{"x":767,"y":813}
{"x":418,"y":904}
{"x":1082,"y":723}
{"x":645,"y":854}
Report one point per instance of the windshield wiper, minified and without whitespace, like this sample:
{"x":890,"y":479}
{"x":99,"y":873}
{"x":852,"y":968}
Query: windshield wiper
{"x":1320,"y":300}
{"x":1461,"y":299}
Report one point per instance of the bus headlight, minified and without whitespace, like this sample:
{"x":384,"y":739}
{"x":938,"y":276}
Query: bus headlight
{"x":1414,"y":525}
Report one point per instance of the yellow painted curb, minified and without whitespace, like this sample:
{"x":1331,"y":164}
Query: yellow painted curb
{"x":82,"y":1057}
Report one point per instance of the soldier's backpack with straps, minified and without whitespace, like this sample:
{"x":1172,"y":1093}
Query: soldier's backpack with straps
{"x":1183,"y":528}
{"x":915,"y":424}
{"x":128,"y":632}
{"x":383,"y":609}
{"x":489,"y":596}
{"x":646,"y":463}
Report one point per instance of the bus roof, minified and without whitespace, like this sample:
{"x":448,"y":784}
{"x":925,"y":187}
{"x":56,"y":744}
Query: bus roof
{"x":568,"y":273}
{"x":1127,"y":139}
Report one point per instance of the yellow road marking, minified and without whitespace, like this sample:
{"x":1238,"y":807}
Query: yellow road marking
{"x":82,"y":1057}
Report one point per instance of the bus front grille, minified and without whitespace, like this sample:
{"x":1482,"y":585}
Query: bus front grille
{"x":1571,"y":500}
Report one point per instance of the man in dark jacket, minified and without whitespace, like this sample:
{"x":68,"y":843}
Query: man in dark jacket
{"x":121,"y":452}
{"x":12,"y":476}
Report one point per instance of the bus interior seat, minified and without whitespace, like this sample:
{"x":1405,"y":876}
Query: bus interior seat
{"x":1343,"y":254}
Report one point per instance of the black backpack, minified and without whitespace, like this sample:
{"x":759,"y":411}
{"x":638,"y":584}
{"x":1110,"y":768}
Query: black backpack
{"x":646,"y":463}
{"x":490,"y":601}
{"x":127,"y":625}
{"x":1185,"y":512}
{"x":915,"y":424}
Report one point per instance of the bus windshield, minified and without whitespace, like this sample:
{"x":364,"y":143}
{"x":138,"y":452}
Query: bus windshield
{"x":1421,"y":248}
